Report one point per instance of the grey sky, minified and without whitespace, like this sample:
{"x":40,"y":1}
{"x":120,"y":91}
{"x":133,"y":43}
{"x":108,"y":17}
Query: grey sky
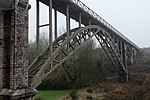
{"x":131,"y":17}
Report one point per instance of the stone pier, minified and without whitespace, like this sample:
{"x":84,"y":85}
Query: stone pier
{"x":14,"y":52}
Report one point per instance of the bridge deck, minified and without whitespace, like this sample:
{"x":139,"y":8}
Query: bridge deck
{"x":77,"y":8}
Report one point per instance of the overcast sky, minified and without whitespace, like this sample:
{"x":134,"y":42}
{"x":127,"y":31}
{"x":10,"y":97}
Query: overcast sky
{"x":130,"y":17}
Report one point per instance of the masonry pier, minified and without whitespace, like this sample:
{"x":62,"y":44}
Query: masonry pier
{"x":13,"y":52}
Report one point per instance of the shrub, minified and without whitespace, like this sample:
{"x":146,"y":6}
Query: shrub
{"x":73,"y":95}
{"x":38,"y":98}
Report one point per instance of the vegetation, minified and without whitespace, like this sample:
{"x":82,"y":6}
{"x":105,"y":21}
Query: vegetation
{"x":51,"y":95}
{"x":88,"y":66}
{"x":96,"y":77}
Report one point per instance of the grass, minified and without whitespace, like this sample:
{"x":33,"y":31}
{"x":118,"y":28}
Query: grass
{"x":51,"y":95}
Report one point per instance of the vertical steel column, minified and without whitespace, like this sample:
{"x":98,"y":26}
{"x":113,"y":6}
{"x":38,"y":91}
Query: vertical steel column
{"x":124,"y":55}
{"x":121,"y":74}
{"x":37,"y":25}
{"x":68,"y":25}
{"x":135,"y":51}
{"x":90,"y":22}
{"x":50,"y":27}
{"x":80,"y":20}
{"x":117,"y":40}
{"x":113,"y":37}
{"x":125,"y":75}
{"x":55,"y":24}
{"x":121,"y":52}
{"x":68,"y":22}
{"x":132,"y":56}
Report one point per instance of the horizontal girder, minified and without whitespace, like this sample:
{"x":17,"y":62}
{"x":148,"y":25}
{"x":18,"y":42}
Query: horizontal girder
{"x":77,"y":7}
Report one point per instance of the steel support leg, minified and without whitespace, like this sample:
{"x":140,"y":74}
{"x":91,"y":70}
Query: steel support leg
{"x":124,"y":55}
{"x":68,"y":22}
{"x":68,"y":25}
{"x":56,"y":24}
{"x":117,"y":42}
{"x":123,"y":76}
{"x":90,"y":22}
{"x":121,"y":51}
{"x":125,"y":61}
{"x":113,"y":37}
{"x":134,"y":52}
{"x":50,"y":27}
{"x":37,"y":25}
{"x":132,"y":56}
{"x":80,"y":20}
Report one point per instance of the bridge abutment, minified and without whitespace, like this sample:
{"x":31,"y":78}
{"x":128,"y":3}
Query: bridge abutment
{"x":13,"y":53}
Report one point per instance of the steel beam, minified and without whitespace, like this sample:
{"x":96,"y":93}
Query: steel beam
{"x":117,"y":41}
{"x":124,"y":54}
{"x":50,"y":27}
{"x":125,"y":75}
{"x":90,"y":22}
{"x":68,"y":24}
{"x":68,"y":21}
{"x":113,"y":37}
{"x":37,"y":25}
{"x":43,"y":25}
{"x":132,"y":55}
{"x":121,"y":50}
{"x":135,"y":51}
{"x":80,"y":20}
{"x":55,"y":11}
{"x":87,"y":14}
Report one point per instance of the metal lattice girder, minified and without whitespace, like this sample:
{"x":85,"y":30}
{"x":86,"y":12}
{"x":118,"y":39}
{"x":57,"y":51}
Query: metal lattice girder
{"x":77,"y":7}
{"x":111,"y":50}
{"x":41,"y":67}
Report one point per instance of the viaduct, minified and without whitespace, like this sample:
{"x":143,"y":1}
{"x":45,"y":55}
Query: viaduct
{"x":18,"y":80}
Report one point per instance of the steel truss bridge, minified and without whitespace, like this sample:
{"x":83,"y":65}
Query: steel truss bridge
{"x":120,"y":50}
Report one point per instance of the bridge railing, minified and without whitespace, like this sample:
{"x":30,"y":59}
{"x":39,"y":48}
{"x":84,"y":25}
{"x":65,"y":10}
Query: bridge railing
{"x":101,"y":20}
